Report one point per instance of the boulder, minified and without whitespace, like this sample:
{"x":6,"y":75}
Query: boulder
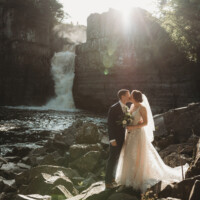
{"x":195,"y":192}
{"x":87,"y":162}
{"x":122,"y":196}
{"x":7,"y":174}
{"x":56,"y":184}
{"x":26,"y":177}
{"x":95,"y":192}
{"x":195,"y":166}
{"x":38,"y":152}
{"x":62,"y":142}
{"x":105,"y":140}
{"x":183,"y":122}
{"x":33,"y":197}
{"x":179,"y":190}
{"x":60,"y":192}
{"x":177,"y":154}
{"x":88,"y":134}
{"x":14,"y":159}
{"x":8,"y":186}
{"x":86,"y":182}
{"x":78,"y":180}
{"x":174,"y":159}
{"x":23,"y":166}
{"x":19,"y":151}
{"x":53,"y":146}
{"x":11,"y":167}
{"x":50,"y":159}
{"x":77,"y":150}
{"x":7,"y":196}
{"x":3,"y":160}
{"x":161,"y":142}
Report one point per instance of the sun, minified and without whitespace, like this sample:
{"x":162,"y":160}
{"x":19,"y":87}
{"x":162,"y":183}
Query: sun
{"x":126,"y":7}
{"x":127,"y":4}
{"x":85,"y":8}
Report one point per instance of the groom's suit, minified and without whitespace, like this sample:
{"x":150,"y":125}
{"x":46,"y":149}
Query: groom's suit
{"x":115,"y":132}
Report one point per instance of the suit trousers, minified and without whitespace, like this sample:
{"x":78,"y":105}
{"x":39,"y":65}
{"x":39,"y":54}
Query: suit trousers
{"x":112,"y":163}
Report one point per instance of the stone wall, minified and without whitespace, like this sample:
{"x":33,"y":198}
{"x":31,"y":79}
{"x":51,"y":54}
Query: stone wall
{"x":138,"y":55}
{"x":24,"y":55}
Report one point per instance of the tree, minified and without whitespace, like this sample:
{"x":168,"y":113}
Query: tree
{"x":181,"y":19}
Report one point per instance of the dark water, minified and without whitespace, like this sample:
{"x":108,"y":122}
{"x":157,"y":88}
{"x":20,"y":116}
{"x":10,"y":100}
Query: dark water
{"x":32,"y":128}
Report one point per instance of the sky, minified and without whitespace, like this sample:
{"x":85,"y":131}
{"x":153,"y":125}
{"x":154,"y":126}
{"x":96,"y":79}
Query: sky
{"x":79,"y":10}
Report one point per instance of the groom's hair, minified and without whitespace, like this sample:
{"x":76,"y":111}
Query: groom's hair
{"x":122,"y":92}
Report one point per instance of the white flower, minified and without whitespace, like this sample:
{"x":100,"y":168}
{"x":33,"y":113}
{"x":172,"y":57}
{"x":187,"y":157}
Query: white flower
{"x":124,"y":122}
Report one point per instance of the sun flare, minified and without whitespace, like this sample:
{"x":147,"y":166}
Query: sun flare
{"x":80,"y":10}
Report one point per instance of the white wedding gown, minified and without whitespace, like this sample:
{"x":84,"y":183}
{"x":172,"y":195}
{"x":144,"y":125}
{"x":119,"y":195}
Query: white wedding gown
{"x":140,"y":165}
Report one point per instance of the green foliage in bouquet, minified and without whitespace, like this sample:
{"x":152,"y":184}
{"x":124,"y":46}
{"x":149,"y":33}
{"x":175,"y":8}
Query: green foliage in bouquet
{"x":126,"y":119}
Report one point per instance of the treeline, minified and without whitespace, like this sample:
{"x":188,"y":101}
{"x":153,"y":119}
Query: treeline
{"x":35,"y":13}
{"x":181,"y":18}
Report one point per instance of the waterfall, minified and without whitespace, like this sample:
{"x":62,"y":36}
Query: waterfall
{"x":63,"y":75}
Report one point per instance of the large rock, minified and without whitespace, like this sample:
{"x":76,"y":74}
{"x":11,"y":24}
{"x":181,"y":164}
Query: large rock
{"x":114,"y":58}
{"x":194,"y":169}
{"x":77,"y":150}
{"x":195,"y":192}
{"x":177,"y":126}
{"x":3,"y":160}
{"x":83,"y":183}
{"x":13,"y":168}
{"x":56,"y":184}
{"x":54,"y":159}
{"x":95,"y":192}
{"x":177,"y":154}
{"x":26,"y":177}
{"x":7,"y":186}
{"x":88,"y":134}
{"x":179,"y":190}
{"x":33,"y":197}
{"x":87,"y":162}
{"x":122,"y":196}
{"x":19,"y":151}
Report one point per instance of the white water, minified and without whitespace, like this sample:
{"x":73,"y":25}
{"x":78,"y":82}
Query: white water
{"x":62,"y":70}
{"x":63,"y":75}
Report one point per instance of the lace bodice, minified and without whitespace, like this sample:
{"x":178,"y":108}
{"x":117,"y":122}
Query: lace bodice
{"x":137,"y":116}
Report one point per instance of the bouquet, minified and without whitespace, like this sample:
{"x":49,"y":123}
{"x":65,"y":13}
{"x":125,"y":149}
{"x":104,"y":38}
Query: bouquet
{"x":126,"y":120}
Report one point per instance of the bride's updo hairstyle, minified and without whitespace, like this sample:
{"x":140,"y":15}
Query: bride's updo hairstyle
{"x":137,"y":95}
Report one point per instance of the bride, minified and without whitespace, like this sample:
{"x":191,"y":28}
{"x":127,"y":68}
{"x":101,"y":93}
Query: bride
{"x":140,"y":165}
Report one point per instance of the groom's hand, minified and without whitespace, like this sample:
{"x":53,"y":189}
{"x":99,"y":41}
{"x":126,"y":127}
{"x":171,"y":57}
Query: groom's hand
{"x":114,"y":143}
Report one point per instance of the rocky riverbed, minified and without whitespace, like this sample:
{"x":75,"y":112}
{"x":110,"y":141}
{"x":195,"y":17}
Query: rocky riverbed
{"x":32,"y":127}
{"x":62,"y":155}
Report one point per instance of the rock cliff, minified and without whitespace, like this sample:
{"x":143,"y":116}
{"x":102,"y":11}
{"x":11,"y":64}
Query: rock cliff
{"x":134,"y":55}
{"x":25,"y":77}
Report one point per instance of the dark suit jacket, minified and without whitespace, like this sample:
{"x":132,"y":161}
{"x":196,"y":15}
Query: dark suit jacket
{"x":116,"y":130}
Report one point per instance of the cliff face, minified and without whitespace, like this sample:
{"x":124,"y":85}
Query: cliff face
{"x":24,"y":55}
{"x":138,"y":55}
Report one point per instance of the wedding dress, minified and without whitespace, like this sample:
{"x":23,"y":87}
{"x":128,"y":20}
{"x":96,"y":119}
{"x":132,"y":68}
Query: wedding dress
{"x":140,"y":165}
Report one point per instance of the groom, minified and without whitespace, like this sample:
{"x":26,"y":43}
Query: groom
{"x":116,"y":134}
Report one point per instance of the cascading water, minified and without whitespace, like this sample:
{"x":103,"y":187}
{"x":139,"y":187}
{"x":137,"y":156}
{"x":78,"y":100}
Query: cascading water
{"x":63,"y":75}
{"x":62,"y":69}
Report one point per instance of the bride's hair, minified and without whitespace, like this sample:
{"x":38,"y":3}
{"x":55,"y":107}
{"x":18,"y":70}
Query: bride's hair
{"x":137,"y":95}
